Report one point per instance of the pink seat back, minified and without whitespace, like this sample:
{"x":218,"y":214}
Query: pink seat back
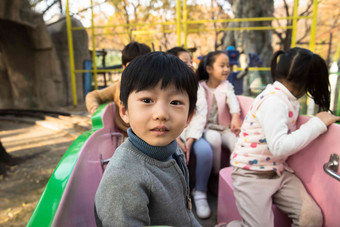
{"x":245,"y":103}
{"x":308,"y":166}
{"x":77,"y":204}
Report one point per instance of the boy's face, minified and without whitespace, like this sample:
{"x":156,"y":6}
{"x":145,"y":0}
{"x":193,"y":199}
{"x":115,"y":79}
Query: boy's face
{"x":157,"y":116}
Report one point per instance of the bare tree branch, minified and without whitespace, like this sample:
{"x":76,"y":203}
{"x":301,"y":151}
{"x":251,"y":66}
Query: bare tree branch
{"x":49,"y":7}
{"x":308,"y":9}
{"x":307,"y":26}
{"x":286,"y":7}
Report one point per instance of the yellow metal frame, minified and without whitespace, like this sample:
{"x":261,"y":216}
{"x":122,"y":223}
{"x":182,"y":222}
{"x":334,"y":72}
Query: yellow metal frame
{"x":295,"y":18}
{"x":94,"y":65}
{"x":179,"y":22}
{"x":70,"y":49}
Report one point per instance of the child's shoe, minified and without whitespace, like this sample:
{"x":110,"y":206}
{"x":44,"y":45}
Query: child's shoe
{"x":202,"y":207}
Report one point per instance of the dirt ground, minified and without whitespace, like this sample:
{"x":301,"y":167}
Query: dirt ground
{"x":44,"y":142}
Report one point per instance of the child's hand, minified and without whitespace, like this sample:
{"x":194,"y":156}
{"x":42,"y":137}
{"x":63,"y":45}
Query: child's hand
{"x":327,"y":118}
{"x":185,"y":147}
{"x":93,"y":110}
{"x":235,"y":124}
{"x":181,"y":144}
{"x":188,"y":145}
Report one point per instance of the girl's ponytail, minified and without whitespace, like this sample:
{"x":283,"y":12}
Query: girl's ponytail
{"x":273,"y":65}
{"x":318,"y":84}
{"x":201,"y":71}
{"x":308,"y":71}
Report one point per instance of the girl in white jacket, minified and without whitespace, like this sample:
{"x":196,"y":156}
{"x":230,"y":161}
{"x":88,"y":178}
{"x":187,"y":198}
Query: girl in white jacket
{"x":223,"y":118}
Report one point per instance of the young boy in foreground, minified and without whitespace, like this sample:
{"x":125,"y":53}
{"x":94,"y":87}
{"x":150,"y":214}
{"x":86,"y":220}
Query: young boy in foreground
{"x":146,"y":181}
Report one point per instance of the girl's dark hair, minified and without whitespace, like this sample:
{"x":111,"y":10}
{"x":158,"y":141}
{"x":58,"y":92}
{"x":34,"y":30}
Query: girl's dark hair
{"x":306,"y":70}
{"x":133,"y":50}
{"x":176,"y":50}
{"x":148,"y":70}
{"x":208,"y":59}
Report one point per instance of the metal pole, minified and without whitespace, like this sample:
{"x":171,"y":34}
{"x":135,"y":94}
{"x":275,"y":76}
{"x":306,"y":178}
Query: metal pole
{"x":178,"y":10}
{"x":310,"y":101}
{"x":70,"y":49}
{"x":296,"y":6}
{"x":185,"y":15}
{"x":335,"y":59}
{"x":338,"y":106}
{"x":313,"y":28}
{"x":337,"y":54}
{"x":94,"y":65}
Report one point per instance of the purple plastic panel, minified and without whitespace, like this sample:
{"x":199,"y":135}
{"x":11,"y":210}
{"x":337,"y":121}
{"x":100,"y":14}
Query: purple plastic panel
{"x":77,"y":205}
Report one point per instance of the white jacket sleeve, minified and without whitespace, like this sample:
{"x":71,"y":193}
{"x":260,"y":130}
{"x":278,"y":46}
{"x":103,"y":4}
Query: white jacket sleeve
{"x":231,"y":100}
{"x":273,"y":117}
{"x":199,"y":120}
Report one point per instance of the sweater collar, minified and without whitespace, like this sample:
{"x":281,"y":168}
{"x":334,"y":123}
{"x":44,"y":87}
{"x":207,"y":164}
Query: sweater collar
{"x":160,"y":153}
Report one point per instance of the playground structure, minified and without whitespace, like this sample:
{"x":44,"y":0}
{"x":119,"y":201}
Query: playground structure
{"x":182,"y":27}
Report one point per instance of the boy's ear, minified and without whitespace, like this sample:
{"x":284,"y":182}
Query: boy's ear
{"x":123,"y":112}
{"x":189,"y":118}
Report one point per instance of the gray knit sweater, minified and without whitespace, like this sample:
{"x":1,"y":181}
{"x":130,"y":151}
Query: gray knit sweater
{"x":137,"y":190}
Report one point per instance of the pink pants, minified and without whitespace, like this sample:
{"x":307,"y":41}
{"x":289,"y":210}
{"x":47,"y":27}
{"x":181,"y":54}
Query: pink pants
{"x":256,"y":191}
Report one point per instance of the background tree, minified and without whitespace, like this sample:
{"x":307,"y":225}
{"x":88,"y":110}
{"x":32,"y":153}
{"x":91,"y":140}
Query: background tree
{"x":285,"y":9}
{"x":328,"y":32}
{"x":253,"y":41}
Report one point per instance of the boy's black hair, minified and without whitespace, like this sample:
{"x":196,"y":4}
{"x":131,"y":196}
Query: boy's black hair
{"x":147,"y":70}
{"x":208,"y":59}
{"x":133,"y":50}
{"x":176,"y":50}
{"x":306,"y":70}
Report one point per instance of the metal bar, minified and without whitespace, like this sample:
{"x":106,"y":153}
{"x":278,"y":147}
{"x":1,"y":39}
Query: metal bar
{"x":313,"y":28}
{"x":296,"y":6}
{"x":338,"y":106}
{"x":332,"y":166}
{"x":310,"y":101}
{"x":335,"y":59}
{"x":247,"y":19}
{"x":238,"y":29}
{"x":337,"y":54}
{"x":125,"y":25}
{"x":253,"y":69}
{"x":185,"y":19}
{"x":141,"y":32}
{"x":70,"y":49}
{"x":196,"y":22}
{"x":94,"y":65}
{"x":178,"y":22}
{"x":98,"y":70}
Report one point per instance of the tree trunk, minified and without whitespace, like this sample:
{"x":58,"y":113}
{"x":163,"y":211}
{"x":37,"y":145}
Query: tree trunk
{"x":252,"y":41}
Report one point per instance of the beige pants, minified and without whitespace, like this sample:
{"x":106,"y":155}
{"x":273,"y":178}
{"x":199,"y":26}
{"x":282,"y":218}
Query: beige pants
{"x":256,"y":191}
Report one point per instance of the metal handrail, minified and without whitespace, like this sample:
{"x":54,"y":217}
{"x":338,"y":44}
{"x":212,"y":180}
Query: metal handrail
{"x":332,"y":166}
